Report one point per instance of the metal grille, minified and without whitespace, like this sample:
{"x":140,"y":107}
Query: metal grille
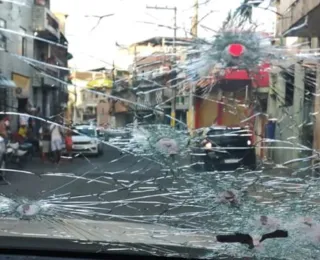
{"x":12,"y":102}
{"x":3,"y":99}
{"x":139,"y":101}
{"x":54,"y":110}
{"x":147,"y":100}
{"x":7,"y":100}
{"x":159,"y":98}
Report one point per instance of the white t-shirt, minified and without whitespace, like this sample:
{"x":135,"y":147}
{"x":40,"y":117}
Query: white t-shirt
{"x":24,"y":120}
{"x":55,"y":132}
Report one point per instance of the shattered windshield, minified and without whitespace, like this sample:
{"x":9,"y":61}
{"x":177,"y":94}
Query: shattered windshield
{"x":206,"y":114}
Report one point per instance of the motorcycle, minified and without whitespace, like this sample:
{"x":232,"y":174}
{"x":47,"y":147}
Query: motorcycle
{"x":16,"y":155}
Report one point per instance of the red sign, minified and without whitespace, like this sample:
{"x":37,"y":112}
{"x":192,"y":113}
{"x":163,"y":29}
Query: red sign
{"x":236,"y":49}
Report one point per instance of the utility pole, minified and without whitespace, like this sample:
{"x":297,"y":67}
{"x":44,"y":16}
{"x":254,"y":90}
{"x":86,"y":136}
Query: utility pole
{"x":192,"y":89}
{"x":134,"y":82}
{"x":194,"y":26}
{"x":113,"y":76}
{"x":74,"y":117}
{"x":174,"y":88}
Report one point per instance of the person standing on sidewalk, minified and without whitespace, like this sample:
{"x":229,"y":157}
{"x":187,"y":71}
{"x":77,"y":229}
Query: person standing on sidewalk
{"x":45,"y":138}
{"x":56,"y":141}
{"x":3,"y":129}
{"x":68,"y":140}
{"x":34,"y":125}
{"x":23,"y":131}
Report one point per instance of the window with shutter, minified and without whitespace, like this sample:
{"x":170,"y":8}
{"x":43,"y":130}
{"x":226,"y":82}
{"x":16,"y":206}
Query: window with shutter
{"x":3,"y":39}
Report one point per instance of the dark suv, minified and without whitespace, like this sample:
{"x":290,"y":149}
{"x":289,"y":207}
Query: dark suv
{"x":221,"y":148}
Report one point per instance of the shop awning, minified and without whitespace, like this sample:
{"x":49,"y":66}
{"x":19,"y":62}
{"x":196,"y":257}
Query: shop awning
{"x":69,"y":56}
{"x":100,"y":83}
{"x":6,"y":83}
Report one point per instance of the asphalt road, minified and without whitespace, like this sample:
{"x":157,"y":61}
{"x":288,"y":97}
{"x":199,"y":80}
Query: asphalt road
{"x":124,"y":187}
{"x":112,"y":186}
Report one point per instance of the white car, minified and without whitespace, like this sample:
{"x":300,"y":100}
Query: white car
{"x":85,"y":140}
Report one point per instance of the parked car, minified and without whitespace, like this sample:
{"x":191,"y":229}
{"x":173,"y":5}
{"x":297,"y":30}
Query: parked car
{"x":85,"y":140}
{"x":120,"y":133}
{"x":221,"y":147}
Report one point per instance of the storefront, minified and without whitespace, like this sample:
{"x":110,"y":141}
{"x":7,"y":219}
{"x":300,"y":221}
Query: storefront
{"x":22,"y":91}
{"x":6,"y":86}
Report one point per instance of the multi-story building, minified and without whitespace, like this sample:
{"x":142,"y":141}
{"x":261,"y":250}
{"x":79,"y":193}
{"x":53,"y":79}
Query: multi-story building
{"x":15,"y":24}
{"x":298,"y":18}
{"x":88,"y":96}
{"x":151,"y":63}
{"x":36,"y":66}
{"x":50,"y":91}
{"x":291,"y":92}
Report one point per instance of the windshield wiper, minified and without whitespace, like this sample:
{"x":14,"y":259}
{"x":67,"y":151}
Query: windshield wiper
{"x":247,"y":239}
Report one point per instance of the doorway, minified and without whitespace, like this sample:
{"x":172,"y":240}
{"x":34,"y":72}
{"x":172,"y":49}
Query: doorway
{"x":22,"y":105}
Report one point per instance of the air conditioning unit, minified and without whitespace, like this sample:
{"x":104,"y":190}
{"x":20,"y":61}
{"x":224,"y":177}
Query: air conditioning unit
{"x":22,"y":92}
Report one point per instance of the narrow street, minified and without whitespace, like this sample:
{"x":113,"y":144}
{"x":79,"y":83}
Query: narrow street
{"x":124,"y":187}
{"x":115,"y":185}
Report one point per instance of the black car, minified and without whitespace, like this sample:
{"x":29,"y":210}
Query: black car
{"x":221,"y":148}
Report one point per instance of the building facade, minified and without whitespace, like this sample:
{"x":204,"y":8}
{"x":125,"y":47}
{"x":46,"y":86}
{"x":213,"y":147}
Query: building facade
{"x":298,"y":18}
{"x":88,"y":96}
{"x":32,"y":63}
{"x":292,"y":100}
{"x":15,"y":23}
{"x":49,"y":82}
{"x":151,"y":63}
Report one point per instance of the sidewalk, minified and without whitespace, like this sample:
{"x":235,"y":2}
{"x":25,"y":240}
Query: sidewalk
{"x":37,"y":166}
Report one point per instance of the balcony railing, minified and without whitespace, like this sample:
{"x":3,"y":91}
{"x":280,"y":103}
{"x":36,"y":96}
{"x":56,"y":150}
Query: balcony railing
{"x":45,"y":21}
{"x":292,"y":11}
{"x":39,"y":80}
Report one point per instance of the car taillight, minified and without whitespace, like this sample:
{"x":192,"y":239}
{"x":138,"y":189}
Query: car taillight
{"x":207,"y":144}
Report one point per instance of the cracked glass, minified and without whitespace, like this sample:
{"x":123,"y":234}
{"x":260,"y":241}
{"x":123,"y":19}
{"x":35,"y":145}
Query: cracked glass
{"x":155,"y":126}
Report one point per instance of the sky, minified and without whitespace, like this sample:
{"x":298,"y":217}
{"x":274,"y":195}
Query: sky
{"x":132,"y":22}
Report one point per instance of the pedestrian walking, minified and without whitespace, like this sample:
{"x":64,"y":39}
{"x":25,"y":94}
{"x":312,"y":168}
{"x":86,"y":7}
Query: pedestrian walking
{"x":56,"y":140}
{"x":45,"y":140}
{"x":23,"y":131}
{"x":34,"y":125}
{"x":4,"y":128}
{"x":68,"y":141}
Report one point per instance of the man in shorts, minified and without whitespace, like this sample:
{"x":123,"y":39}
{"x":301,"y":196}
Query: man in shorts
{"x":45,"y":138}
{"x":56,"y":140}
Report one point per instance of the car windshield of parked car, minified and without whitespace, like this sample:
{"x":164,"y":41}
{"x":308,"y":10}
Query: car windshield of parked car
{"x":85,"y":132}
{"x":234,"y":137}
